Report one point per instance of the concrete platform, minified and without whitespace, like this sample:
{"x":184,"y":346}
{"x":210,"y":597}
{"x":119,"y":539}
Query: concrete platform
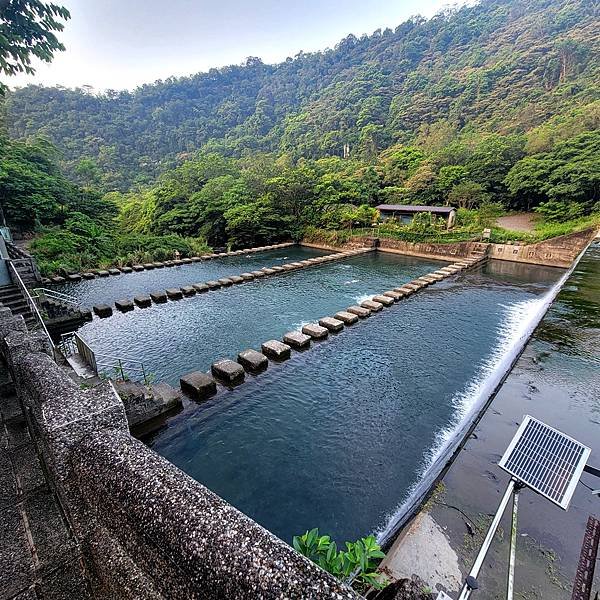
{"x":276,"y":350}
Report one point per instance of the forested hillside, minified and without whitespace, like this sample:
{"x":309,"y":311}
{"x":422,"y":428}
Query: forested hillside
{"x":503,"y":66}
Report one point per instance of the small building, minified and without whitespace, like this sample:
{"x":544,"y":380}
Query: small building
{"x":406,"y":213}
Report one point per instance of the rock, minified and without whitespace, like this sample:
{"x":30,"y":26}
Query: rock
{"x":126,"y":269}
{"x":228,"y":371}
{"x":188,"y":290}
{"x":143,"y":301}
{"x":359,"y":311}
{"x":74,"y":277}
{"x":371,"y":305}
{"x":213,"y":285}
{"x":102,"y":273}
{"x":237,"y":279}
{"x":198,"y":385}
{"x":174,"y":294}
{"x":124,"y":305}
{"x":225,"y":281}
{"x":253,"y":361}
{"x":158,"y":297}
{"x":332,"y":324}
{"x":296,"y":340}
{"x":103,"y":310}
{"x":138,"y":267}
{"x":385,"y":300}
{"x":347,"y":318}
{"x":88,"y":275}
{"x":316,"y":332}
{"x":201,"y":287}
{"x":247,"y":276}
{"x":276,"y":350}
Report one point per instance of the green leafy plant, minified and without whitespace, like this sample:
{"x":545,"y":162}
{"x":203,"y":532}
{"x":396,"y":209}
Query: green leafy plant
{"x":357,"y":563}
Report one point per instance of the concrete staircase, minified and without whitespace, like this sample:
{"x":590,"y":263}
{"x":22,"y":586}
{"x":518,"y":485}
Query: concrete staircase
{"x":11,"y":297}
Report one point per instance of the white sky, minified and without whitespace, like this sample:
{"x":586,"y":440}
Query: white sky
{"x":124,"y":43}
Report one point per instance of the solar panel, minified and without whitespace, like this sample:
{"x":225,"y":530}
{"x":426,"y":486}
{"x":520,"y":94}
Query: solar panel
{"x":546,"y":460}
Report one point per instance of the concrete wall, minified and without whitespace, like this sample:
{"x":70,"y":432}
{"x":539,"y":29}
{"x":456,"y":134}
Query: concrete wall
{"x":556,"y":252}
{"x":147,"y":530}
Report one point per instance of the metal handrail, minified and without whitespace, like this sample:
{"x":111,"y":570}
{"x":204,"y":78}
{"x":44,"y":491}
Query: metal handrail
{"x":14,"y":274}
{"x":54,"y":295}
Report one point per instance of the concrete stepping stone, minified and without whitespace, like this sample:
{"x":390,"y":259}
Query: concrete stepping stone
{"x":159,"y":265}
{"x":347,"y":318}
{"x":58,"y":279}
{"x":88,"y":275}
{"x":289,"y":268}
{"x":316,"y":332}
{"x":412,"y":287}
{"x":268,"y":271}
{"x":228,"y":371}
{"x":148,"y":266}
{"x":198,"y":385}
{"x":258,"y":273}
{"x":395,"y":296}
{"x":225,"y":281}
{"x":424,"y":282}
{"x":138,"y":268}
{"x":332,"y":324}
{"x":278,"y":269}
{"x":102,"y":273}
{"x":186,"y":261}
{"x":143,"y":301}
{"x":372,"y":305}
{"x":103,"y":310}
{"x":253,"y":361}
{"x":126,"y":269}
{"x":74,"y":277}
{"x":213,"y":285}
{"x":359,"y":311}
{"x":177,"y":262}
{"x":237,"y":279}
{"x":247,"y":276}
{"x":196,"y":259}
{"x":385,"y":300}
{"x":296,"y":340}
{"x":201,"y":288}
{"x":124,"y":305}
{"x":276,"y":350}
{"x":174,"y":294}
{"x":188,"y":290}
{"x":114,"y":271}
{"x":158,"y":297}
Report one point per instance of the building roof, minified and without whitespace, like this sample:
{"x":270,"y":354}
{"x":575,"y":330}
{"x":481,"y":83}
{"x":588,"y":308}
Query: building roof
{"x":409,"y":208}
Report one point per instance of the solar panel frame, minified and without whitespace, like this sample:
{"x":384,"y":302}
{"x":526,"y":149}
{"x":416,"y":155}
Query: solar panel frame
{"x":529,"y":453}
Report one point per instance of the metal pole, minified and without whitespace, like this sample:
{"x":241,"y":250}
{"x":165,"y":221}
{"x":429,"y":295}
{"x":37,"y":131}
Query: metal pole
{"x":513,"y":545}
{"x":468,"y":586}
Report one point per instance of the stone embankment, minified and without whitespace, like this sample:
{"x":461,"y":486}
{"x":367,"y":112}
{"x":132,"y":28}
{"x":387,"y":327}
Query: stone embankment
{"x":173,"y":294}
{"x":141,"y":528}
{"x":229,"y":373}
{"x":76,"y":277}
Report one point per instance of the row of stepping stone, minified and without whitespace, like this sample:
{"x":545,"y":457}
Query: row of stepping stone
{"x":74,"y":277}
{"x":146,"y":300}
{"x":199,"y":385}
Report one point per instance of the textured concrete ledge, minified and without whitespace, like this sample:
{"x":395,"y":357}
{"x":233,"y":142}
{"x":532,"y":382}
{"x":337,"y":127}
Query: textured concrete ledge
{"x":147,"y":529}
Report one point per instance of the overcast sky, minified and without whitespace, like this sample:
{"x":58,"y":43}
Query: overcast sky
{"x":124,"y":43}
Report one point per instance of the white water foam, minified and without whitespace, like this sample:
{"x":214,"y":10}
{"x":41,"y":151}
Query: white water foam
{"x":351,"y":281}
{"x":516,"y":328}
{"x":361,"y":299}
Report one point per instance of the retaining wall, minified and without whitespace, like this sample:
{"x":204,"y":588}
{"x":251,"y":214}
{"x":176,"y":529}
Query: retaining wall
{"x":147,"y":530}
{"x":556,"y":252}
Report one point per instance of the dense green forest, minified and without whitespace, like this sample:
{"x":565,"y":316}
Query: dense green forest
{"x":491,"y":106}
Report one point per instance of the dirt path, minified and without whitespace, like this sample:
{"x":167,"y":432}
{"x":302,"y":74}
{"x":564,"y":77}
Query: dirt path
{"x":518,"y":222}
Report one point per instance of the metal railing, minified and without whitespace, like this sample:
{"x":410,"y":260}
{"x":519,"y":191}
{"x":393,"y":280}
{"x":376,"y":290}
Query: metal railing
{"x":41,"y":293}
{"x":73,"y":343}
{"x":39,"y":321}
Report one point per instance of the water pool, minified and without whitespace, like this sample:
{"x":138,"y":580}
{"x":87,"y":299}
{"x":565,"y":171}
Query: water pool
{"x":337,"y":437}
{"x":105,"y":290}
{"x":190,"y":334}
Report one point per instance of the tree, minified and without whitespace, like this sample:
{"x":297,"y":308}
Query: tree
{"x":26,"y":30}
{"x":467,"y":194}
